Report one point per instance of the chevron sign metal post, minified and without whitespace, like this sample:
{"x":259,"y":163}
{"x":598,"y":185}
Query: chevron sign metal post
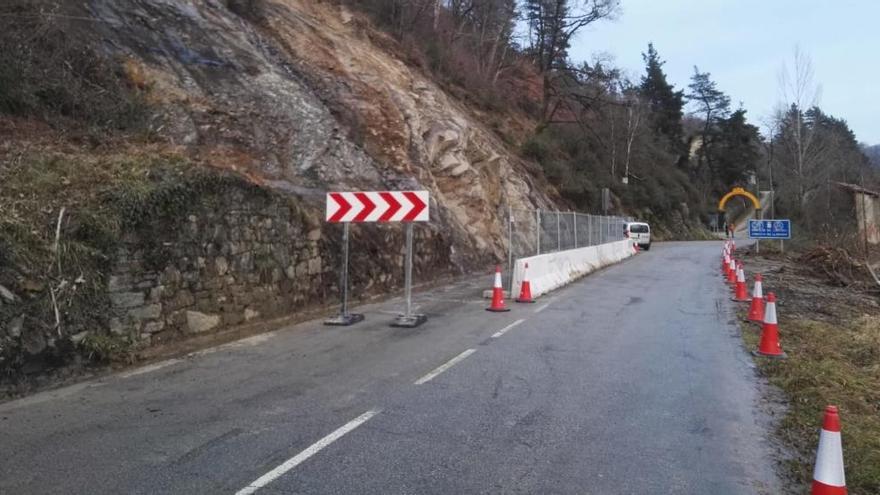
{"x":378,"y":206}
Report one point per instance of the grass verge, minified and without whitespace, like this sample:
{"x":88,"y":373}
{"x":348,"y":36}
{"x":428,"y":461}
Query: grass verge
{"x":829,"y":362}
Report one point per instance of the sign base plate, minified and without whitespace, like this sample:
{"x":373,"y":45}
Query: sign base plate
{"x":410,"y":321}
{"x":344,"y":320}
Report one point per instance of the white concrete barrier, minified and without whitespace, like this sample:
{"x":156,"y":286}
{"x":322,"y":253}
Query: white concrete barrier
{"x":550,"y":271}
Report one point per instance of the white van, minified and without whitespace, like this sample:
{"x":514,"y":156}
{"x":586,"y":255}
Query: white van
{"x":639,"y":232}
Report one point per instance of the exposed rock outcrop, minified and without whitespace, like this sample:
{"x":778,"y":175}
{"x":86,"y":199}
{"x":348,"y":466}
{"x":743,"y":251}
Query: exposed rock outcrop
{"x":305,"y":101}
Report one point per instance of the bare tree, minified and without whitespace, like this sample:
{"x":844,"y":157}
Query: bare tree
{"x":634,"y":116}
{"x":799,"y":94}
{"x":489,"y":26}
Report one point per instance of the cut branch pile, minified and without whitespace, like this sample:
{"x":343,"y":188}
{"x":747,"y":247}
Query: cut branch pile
{"x":839,"y":267}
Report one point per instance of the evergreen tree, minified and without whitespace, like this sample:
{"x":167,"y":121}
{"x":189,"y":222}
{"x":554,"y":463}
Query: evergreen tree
{"x":665,"y":103}
{"x":552,"y":26}
{"x":713,"y":106}
{"x":735,"y":151}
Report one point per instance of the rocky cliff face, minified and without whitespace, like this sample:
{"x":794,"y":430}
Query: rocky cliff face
{"x":304,"y":99}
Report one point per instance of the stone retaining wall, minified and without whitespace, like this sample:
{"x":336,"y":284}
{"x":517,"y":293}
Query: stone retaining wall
{"x":230,"y":260}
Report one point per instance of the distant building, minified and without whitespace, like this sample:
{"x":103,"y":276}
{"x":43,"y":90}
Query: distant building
{"x":867,"y":206}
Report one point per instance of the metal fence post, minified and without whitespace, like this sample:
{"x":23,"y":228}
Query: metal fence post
{"x":510,"y":245}
{"x":589,"y":230}
{"x":574,"y":223}
{"x":538,"y":231}
{"x":558,"y":233}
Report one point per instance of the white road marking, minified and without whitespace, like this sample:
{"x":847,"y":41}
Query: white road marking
{"x":305,"y":454}
{"x":149,"y":368}
{"x":541,"y":308}
{"x":235,"y":344}
{"x":50,"y":395}
{"x":449,"y":364}
{"x":506,"y":329}
{"x":246,"y":342}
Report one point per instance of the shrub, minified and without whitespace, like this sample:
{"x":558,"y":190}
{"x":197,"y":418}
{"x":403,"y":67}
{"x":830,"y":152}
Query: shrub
{"x":51,"y":68}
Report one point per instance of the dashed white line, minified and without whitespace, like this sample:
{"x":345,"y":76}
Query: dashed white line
{"x":305,"y":454}
{"x":449,"y":364}
{"x":541,"y":308}
{"x":506,"y":329}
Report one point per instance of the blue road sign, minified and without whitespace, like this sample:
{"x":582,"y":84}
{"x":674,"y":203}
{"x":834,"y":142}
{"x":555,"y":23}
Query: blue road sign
{"x":770,"y":229}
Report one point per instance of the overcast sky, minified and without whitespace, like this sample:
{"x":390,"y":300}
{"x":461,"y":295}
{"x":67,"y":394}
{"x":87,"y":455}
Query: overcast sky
{"x":744,"y":43}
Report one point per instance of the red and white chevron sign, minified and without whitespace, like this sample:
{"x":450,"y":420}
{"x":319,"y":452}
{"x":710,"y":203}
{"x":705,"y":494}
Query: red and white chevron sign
{"x":381,"y":206}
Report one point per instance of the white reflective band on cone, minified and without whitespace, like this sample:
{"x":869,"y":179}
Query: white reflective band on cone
{"x":497,"y":279}
{"x":757,"y":291}
{"x":740,"y":276}
{"x":770,"y":313}
{"x":829,"y":459}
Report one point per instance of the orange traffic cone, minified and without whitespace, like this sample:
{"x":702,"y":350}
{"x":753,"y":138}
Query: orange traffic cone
{"x":741,"y":293}
{"x":828,"y":476}
{"x":769,"y":345}
{"x":756,"y":310}
{"x":725,"y":263}
{"x":525,"y":291}
{"x":731,"y":271}
{"x":497,"y":294}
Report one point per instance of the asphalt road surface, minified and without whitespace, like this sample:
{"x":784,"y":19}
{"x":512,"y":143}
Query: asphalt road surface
{"x":632,"y":380}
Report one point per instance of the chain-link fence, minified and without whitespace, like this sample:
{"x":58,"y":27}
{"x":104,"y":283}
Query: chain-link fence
{"x":533,"y":232}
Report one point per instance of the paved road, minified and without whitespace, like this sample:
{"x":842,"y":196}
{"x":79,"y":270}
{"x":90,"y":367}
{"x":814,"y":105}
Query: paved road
{"x":632,"y":380}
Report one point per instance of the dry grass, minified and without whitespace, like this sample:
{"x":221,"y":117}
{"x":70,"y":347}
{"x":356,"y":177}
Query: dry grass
{"x":62,"y":292}
{"x":834,"y":358}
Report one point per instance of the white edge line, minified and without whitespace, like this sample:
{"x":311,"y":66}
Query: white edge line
{"x":149,"y":368}
{"x":305,"y":454}
{"x":449,"y":364}
{"x":504,"y":330}
{"x":246,"y":342}
{"x":541,"y":308}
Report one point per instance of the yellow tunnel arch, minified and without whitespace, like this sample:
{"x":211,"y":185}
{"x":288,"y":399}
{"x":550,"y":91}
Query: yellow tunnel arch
{"x":738,"y":191}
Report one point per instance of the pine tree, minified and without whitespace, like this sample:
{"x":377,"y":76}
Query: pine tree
{"x":665,"y":103}
{"x":552,"y":26}
{"x":714,"y":106}
{"x":735,"y":152}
